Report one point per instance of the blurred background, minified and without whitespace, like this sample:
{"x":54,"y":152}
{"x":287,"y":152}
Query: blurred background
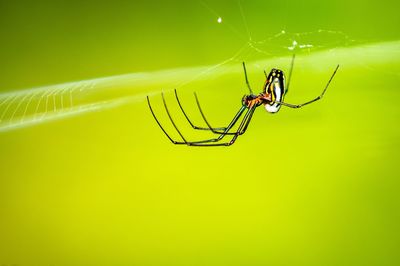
{"x":88,"y":177}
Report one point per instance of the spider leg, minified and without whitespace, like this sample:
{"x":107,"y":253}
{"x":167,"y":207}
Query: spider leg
{"x":248,"y":122}
{"x":241,"y":130}
{"x":208,"y":124}
{"x":229,"y":127}
{"x":195,"y":143}
{"x":313,"y":100}
{"x":159,"y":124}
{"x":170,"y":118}
{"x":214,"y":130}
{"x":247,"y":80}
{"x":290,"y":74}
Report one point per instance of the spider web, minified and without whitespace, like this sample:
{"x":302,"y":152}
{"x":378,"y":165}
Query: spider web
{"x":37,"y":105}
{"x":282,"y":43}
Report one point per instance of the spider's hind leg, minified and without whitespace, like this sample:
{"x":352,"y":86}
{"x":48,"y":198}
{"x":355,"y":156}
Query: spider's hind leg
{"x":313,"y":100}
{"x":290,"y":74}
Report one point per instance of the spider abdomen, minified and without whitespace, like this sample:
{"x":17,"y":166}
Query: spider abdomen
{"x":275,"y":87}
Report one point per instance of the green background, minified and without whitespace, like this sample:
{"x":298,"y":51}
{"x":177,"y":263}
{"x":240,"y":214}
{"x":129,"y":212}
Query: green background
{"x":314,"y":186}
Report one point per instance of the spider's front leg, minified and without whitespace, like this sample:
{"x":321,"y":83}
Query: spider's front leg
{"x":241,"y":130}
{"x":215,"y":130}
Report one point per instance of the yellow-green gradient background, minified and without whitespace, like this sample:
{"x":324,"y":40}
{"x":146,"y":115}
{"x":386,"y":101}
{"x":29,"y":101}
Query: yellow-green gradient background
{"x":315,"y":186}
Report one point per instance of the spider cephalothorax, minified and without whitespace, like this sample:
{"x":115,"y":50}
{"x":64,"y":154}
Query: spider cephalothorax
{"x":272,"y":98}
{"x":251,"y":100}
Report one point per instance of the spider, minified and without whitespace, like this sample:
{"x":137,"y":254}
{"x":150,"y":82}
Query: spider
{"x":272,"y":98}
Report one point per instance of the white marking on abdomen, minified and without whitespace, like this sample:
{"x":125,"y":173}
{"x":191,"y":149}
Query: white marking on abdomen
{"x":273,"y":108}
